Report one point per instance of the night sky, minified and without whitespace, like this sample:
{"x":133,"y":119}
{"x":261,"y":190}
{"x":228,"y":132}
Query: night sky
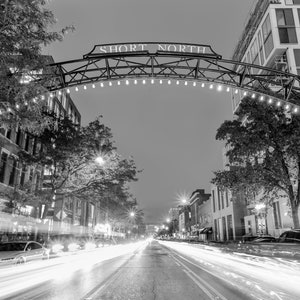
{"x":169,"y":130}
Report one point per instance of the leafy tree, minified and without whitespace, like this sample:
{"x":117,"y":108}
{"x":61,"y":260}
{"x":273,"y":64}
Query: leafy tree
{"x":69,"y":155}
{"x":23,"y":31}
{"x":264,"y":154}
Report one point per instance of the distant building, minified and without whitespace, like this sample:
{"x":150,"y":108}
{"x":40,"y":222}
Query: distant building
{"x":197,"y":198}
{"x":228,"y":213}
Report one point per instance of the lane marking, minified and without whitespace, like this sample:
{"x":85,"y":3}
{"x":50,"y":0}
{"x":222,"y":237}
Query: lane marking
{"x":203,"y":288}
{"x":200,"y":279}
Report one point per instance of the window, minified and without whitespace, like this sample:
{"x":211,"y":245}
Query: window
{"x":297,"y":59}
{"x":34,"y":246}
{"x":254,"y":53}
{"x":8,"y":133}
{"x":286,"y":26}
{"x":219,"y":198}
{"x":23,"y":174}
{"x":18,"y":136}
{"x":260,"y":46}
{"x":214,"y":200}
{"x":222,"y":199}
{"x":267,"y":36}
{"x":226,"y":196}
{"x":13,"y":171}
{"x":277,"y":217}
{"x":224,"y":229}
{"x":3,"y":164}
{"x":27,"y":142}
{"x":230,"y":227}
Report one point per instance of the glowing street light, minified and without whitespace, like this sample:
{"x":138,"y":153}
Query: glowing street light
{"x":100,"y":160}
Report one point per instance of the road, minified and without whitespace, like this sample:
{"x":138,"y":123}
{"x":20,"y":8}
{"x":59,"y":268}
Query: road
{"x":155,"y":271}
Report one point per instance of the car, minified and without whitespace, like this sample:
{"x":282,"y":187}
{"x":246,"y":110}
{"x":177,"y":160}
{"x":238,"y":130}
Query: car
{"x":290,"y":236}
{"x":18,"y":252}
{"x":264,"y":239}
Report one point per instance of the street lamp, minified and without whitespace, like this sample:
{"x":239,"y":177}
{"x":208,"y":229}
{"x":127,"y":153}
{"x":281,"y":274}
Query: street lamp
{"x":100,"y":160}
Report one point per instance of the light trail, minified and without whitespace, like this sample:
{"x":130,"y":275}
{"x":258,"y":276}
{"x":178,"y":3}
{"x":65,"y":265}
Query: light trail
{"x":15,"y":279}
{"x":263,"y":278}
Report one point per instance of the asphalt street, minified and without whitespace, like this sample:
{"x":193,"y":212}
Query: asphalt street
{"x":152,"y":271}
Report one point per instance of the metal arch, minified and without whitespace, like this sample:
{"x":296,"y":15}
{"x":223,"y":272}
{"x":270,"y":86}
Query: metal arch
{"x":210,"y":67}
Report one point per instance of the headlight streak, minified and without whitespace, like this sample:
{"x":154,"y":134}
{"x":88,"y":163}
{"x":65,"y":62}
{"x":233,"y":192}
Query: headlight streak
{"x":261,"y":277}
{"x":14,"y":280}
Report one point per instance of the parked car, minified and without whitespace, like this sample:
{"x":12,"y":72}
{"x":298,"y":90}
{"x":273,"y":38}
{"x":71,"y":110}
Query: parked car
{"x":290,"y":236}
{"x":264,"y":239}
{"x":18,"y":252}
{"x":257,"y":238}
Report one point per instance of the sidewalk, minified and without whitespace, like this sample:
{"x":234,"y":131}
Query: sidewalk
{"x":281,"y":250}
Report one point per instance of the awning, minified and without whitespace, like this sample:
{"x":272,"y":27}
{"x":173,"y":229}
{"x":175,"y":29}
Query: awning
{"x":206,"y":230}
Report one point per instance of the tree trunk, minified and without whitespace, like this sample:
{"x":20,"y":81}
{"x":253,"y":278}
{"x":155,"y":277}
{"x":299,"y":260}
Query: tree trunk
{"x":295,"y":215}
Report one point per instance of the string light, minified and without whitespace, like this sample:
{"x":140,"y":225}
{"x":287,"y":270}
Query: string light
{"x":144,"y":81}
{"x":76,"y":89}
{"x":93,"y":86}
{"x":43,"y":97}
{"x":9,"y":109}
{"x":177,"y":82}
{"x":118,"y":82}
{"x":295,"y":110}
{"x":245,"y":93}
{"x":135,"y":81}
{"x":194,"y":83}
{"x":253,"y":96}
{"x":101,"y":84}
{"x":160,"y":82}
{"x":278,"y":103}
{"x":17,"y":106}
{"x":51,"y":95}
{"x":287,"y":107}
{"x":228,"y":89}
{"x":152,"y":81}
{"x":203,"y":85}
{"x":59,"y":93}
{"x":0,"y":112}
{"x":127,"y":82}
{"x":236,"y":91}
{"x":68,"y":91}
{"x":211,"y":86}
{"x":26,"y":103}
{"x":169,"y":81}
{"x":34,"y":100}
{"x":84,"y":87}
{"x":110,"y":83}
{"x":219,"y":88}
{"x":270,"y":101}
{"x":262,"y":98}
{"x":185,"y":83}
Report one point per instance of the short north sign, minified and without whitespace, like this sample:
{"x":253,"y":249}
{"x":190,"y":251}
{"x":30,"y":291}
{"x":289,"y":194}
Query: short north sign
{"x":152,"y":47}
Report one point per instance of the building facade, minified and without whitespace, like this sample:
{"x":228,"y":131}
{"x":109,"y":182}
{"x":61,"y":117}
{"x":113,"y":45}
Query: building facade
{"x":228,"y":213}
{"x":198,"y":197}
{"x":27,"y":220}
{"x":271,"y":38}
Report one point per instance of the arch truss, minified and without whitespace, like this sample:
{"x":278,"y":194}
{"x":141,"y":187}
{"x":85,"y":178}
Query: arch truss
{"x":173,"y":61}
